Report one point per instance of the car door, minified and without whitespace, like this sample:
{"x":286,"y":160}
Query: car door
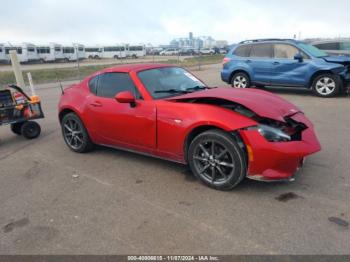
{"x":121,"y":124}
{"x":285,"y":69}
{"x":259,"y":61}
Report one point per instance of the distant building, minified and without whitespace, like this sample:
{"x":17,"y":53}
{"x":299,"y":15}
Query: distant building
{"x":196,"y":42}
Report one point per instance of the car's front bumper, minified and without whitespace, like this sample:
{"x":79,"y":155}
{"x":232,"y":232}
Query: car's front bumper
{"x":271,"y":161}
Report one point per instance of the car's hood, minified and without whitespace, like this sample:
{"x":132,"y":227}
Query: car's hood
{"x":263,"y":103}
{"x":338,"y":59}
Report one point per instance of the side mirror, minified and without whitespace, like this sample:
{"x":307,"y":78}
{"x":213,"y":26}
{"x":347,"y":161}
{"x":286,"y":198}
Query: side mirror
{"x":299,"y":57}
{"x":126,"y":97}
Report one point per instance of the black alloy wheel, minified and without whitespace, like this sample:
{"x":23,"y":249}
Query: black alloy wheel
{"x":75,"y":134}
{"x":217,"y":160}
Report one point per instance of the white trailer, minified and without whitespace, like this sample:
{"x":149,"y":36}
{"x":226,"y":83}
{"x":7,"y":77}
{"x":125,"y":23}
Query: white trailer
{"x":136,"y":51}
{"x":93,"y":52}
{"x":26,"y":52}
{"x":73,"y":52}
{"x":50,"y":53}
{"x":116,"y":52}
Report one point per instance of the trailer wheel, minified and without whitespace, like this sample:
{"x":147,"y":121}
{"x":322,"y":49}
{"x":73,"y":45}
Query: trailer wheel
{"x":16,"y":128}
{"x":30,"y":129}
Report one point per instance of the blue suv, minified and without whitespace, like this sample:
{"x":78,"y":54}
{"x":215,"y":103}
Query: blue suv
{"x":285,"y":62}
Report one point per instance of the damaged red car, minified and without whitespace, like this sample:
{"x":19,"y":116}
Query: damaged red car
{"x":222,"y":134}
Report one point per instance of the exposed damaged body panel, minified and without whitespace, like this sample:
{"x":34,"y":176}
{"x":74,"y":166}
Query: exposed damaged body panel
{"x":260,"y":102}
{"x":287,"y":124}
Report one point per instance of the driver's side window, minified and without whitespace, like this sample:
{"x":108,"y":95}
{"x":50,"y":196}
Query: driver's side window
{"x":287,"y":51}
{"x":109,"y":84}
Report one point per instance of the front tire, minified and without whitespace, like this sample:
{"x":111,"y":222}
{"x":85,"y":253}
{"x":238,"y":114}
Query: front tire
{"x":217,"y":160}
{"x":30,"y":129}
{"x":240,"y":80}
{"x":327,"y":85}
{"x":75,"y":134}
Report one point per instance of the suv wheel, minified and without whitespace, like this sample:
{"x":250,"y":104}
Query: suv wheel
{"x":217,"y":160}
{"x":326,"y":85}
{"x":240,"y":80}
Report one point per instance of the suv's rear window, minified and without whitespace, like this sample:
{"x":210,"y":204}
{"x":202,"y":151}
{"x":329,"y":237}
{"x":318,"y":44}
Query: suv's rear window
{"x":261,"y":50}
{"x":242,"y":51}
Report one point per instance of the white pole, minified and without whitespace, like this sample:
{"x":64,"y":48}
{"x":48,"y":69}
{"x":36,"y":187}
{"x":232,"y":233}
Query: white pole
{"x":16,"y":68}
{"x":78,"y":62}
{"x":30,"y":80}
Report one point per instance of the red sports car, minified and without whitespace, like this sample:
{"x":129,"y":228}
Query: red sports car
{"x":223,"y":134}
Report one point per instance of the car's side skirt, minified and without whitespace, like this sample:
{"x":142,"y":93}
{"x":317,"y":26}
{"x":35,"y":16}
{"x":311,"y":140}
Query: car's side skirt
{"x":145,"y":154}
{"x":284,"y":85}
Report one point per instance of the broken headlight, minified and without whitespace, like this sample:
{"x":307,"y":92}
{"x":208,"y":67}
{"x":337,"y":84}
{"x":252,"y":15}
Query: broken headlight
{"x":273,"y":134}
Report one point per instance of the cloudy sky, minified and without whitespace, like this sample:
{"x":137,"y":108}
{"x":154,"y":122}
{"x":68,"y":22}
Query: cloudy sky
{"x":158,"y":21}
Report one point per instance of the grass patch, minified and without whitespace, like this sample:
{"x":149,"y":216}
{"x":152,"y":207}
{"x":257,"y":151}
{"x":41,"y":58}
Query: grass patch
{"x":41,"y":76}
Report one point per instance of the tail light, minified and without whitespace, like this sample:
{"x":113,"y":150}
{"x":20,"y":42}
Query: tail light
{"x":226,"y":60}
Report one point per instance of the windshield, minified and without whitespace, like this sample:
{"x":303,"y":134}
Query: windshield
{"x":169,"y":81}
{"x":312,"y":50}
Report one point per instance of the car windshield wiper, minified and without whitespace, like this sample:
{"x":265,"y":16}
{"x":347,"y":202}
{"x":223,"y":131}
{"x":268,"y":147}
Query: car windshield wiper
{"x":182,"y":91}
{"x":171,"y":91}
{"x":196,"y":88}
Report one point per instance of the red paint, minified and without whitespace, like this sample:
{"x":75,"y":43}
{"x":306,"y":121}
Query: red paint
{"x":160,"y":127}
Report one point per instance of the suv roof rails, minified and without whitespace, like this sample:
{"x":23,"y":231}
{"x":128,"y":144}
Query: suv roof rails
{"x":265,"y":40}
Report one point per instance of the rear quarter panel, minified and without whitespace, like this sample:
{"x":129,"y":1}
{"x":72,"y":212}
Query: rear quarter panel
{"x":73,"y":99}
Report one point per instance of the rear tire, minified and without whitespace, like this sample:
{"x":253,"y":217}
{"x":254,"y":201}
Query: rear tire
{"x":16,"y":128}
{"x":75,"y":134}
{"x":30,"y":129}
{"x":217,"y":160}
{"x":240,"y":80}
{"x":327,"y":85}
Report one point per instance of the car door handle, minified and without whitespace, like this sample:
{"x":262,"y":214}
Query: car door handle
{"x":276,"y":63}
{"x":248,"y":61}
{"x":96,"y":104}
